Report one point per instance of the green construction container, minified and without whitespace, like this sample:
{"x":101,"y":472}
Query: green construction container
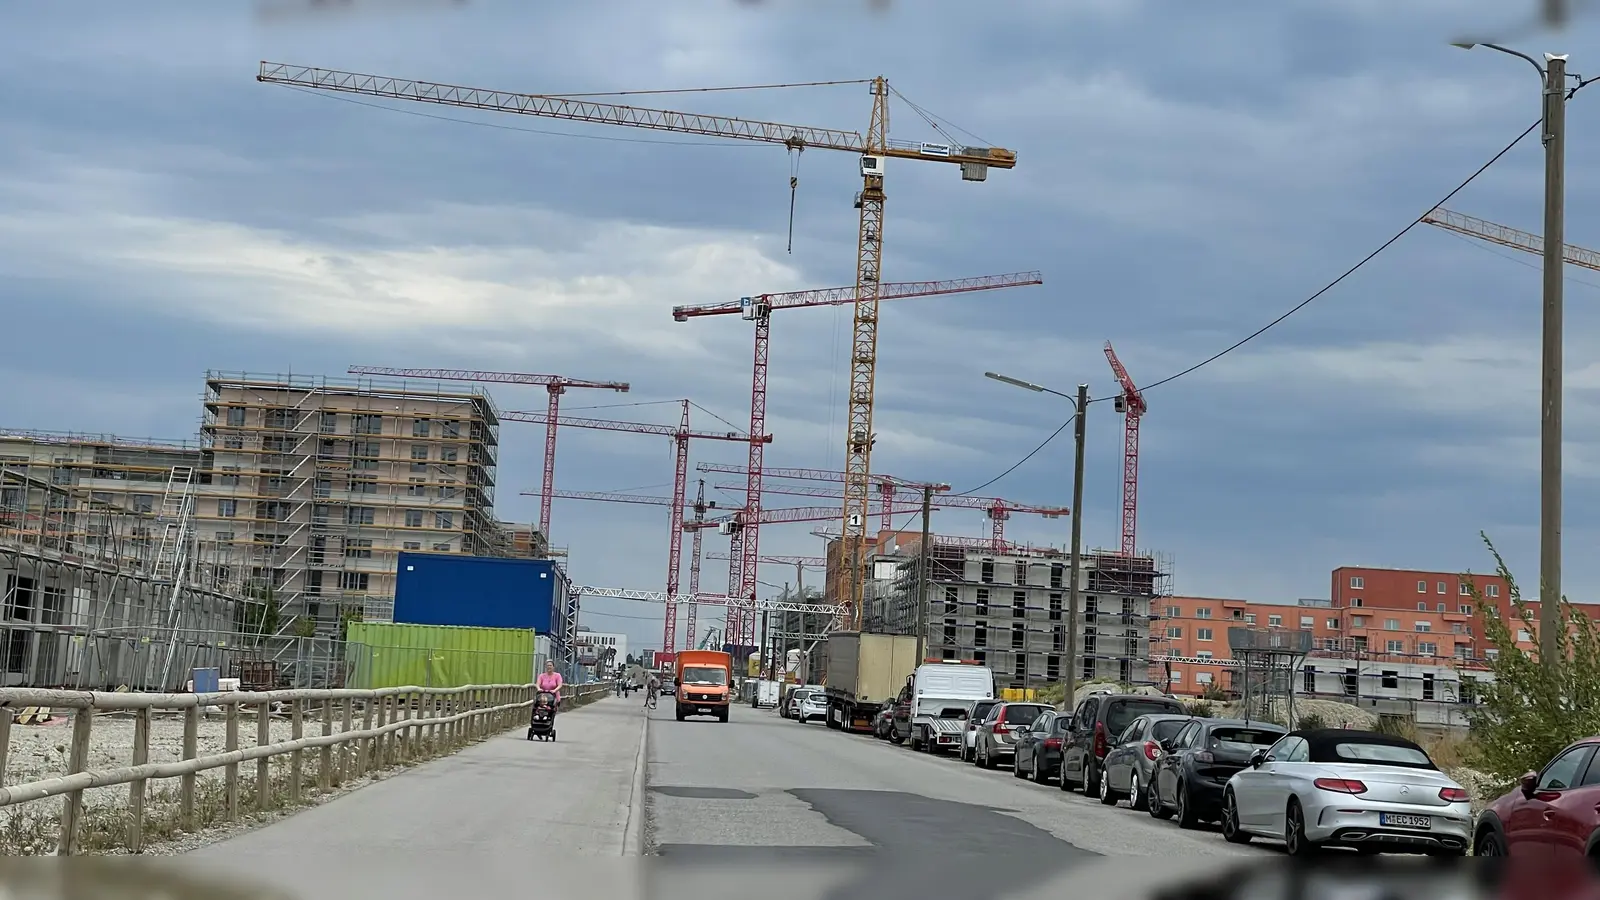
{"x":396,"y":654}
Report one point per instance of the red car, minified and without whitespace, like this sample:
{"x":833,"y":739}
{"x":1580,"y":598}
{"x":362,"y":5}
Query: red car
{"x":1553,"y":814}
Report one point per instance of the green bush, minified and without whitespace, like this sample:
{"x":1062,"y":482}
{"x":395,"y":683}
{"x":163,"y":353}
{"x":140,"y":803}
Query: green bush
{"x":1530,"y":711}
{"x":1311,"y":722}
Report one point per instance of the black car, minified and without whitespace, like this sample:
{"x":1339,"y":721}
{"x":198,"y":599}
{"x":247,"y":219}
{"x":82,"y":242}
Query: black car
{"x":1131,"y":763}
{"x":1038,"y":749}
{"x":883,"y":722}
{"x":1099,"y":720}
{"x":1196,"y":764}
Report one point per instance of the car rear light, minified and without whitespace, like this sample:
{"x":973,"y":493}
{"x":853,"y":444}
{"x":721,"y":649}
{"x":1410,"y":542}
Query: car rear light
{"x":1052,"y":743}
{"x":1152,"y":751}
{"x":1341,"y":785}
{"x":1100,"y":740}
{"x":1454,"y":795}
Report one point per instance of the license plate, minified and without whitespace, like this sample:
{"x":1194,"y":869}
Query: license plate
{"x":1404,"y":821}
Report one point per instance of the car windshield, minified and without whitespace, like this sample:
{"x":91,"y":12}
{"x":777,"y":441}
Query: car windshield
{"x":1022,"y":715}
{"x":1383,"y":754}
{"x":704,"y":675}
{"x":1246,"y":739}
{"x":1123,"y":712}
{"x":1166,"y":729}
{"x":798,"y":696}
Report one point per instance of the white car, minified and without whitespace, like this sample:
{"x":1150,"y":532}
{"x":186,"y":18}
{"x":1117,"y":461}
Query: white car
{"x":1345,"y":788}
{"x":813,"y":705}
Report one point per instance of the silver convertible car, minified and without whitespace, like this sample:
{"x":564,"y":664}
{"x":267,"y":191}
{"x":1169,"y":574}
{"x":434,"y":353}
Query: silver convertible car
{"x":1335,"y":787}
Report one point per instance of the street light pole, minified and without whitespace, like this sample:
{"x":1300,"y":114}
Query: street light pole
{"x":1554,"y":76}
{"x":1555,"y":157}
{"x":1077,"y":544}
{"x":923,"y":572}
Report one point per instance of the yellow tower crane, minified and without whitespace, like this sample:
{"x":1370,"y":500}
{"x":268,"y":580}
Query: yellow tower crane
{"x":874,"y":148}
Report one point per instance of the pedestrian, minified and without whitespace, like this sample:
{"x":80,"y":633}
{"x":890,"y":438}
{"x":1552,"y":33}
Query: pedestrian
{"x":652,"y":685}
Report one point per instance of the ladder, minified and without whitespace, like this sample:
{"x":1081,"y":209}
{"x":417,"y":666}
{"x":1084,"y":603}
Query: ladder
{"x":176,"y":520}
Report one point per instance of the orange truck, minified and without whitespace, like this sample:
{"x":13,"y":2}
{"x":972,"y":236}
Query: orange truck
{"x":705,"y":683}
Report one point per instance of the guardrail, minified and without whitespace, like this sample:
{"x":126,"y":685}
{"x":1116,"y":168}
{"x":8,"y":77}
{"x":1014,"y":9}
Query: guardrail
{"x":398,"y":726}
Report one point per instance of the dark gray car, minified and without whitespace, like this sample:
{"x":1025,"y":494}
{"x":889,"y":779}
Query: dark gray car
{"x":1131,"y":764}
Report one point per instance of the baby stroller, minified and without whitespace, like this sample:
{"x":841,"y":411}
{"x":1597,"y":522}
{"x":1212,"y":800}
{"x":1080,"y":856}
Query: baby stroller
{"x":543,"y":726}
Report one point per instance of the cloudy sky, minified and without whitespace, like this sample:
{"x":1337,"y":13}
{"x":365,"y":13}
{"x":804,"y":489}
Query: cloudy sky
{"x":1185,"y":175}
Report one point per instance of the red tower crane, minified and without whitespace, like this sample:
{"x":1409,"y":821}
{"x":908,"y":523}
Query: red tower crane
{"x":759,"y":309}
{"x":680,"y":435}
{"x":996,"y":509}
{"x":555,"y":385}
{"x":1132,"y":406}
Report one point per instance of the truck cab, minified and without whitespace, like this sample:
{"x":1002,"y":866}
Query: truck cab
{"x":704,"y":683}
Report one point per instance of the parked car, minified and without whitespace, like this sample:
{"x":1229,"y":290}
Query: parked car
{"x":979,"y":712}
{"x":1038,"y":748}
{"x":883,"y":722}
{"x":998,"y":733}
{"x":1337,"y":787}
{"x":1555,"y":811}
{"x":1193,"y":766}
{"x":814,"y":705}
{"x":791,"y":701}
{"x":1098,"y":719}
{"x":1131,"y":761}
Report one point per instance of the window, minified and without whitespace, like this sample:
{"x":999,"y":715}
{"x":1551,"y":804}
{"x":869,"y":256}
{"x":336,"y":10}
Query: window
{"x":983,"y":599}
{"x":1308,"y":622}
{"x":417,"y":488}
{"x":363,"y":486}
{"x":1422,"y":607}
{"x":448,"y":454}
{"x":1465,"y":609}
{"x":1174,"y":612}
{"x":1202,"y":654}
{"x":1058,"y":639}
{"x":1019,"y":637}
{"x":1466,"y":590}
{"x":442,"y":547}
{"x":1355,"y":601}
{"x":1203,"y":612}
{"x":1249,"y":618}
{"x":1333,"y":624}
{"x":1564,"y":771}
{"x":986,"y":572}
{"x":1202,"y":677}
{"x":224,"y":537}
{"x":1397,"y":647}
{"x":353,"y":581}
{"x":366,"y":424}
{"x":1358,"y":621}
{"x":1424,"y":626}
{"x":360,"y":515}
{"x":1439,"y":608}
{"x":1055,"y":607}
{"x":419,"y":451}
{"x":444,"y":520}
{"x":1052,"y":670}
{"x":1357,"y":582}
{"x":413,"y":518}
{"x":1427,"y":648}
{"x":357,"y":549}
{"x":952,"y":600}
{"x":421,"y":428}
{"x":1174,"y":631}
{"x":1422,"y":587}
{"x":227,"y":509}
{"x":1522,"y":635}
{"x":1056,"y":572}
{"x":1442,"y":587}
{"x":1493,"y":591}
{"x":980,"y":636}
{"x":1274,"y":621}
{"x":236,"y":416}
{"x":1019,"y":604}
{"x":452,"y":429}
{"x":329,"y":423}
{"x":1391,"y":679}
{"x":1202,"y":634}
{"x":1022,"y":573}
{"x":1391,"y":624}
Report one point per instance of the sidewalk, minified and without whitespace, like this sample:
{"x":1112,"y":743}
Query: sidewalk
{"x":480,"y":816}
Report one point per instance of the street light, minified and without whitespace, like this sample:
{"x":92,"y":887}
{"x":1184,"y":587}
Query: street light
{"x":1080,"y":407}
{"x":1554,"y":75}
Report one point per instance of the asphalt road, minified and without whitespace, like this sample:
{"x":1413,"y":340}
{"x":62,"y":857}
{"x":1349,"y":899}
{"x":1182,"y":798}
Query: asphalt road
{"x":762,"y":792}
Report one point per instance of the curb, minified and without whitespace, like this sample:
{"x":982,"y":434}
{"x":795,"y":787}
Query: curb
{"x":633,"y":840}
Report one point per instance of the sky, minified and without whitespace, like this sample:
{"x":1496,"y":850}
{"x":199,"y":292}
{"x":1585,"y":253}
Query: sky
{"x":1185,"y":175}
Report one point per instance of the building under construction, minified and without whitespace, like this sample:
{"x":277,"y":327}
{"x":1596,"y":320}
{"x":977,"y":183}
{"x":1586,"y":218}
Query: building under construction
{"x":104,"y":583}
{"x":1008,"y":609}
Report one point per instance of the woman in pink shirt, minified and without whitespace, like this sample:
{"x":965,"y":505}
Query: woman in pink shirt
{"x":550,"y":680}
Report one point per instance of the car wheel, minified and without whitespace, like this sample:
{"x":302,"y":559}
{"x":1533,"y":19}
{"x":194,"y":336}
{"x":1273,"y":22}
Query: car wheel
{"x":1489,"y":843}
{"x":1295,"y":842}
{"x":1091,"y":780}
{"x":1184,"y":812}
{"x":1153,"y":804}
{"x":1108,"y":797}
{"x":1061,"y":777}
{"x":1039,"y":776}
{"x":1231,"y":832}
{"x":1137,"y":799}
{"x":1016,"y":766}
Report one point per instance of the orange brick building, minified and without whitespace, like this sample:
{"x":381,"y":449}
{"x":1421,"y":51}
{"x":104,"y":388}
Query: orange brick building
{"x":1412,"y":621}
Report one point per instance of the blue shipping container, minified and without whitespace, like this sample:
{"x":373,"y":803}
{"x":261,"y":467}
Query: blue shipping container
{"x":480,"y":591}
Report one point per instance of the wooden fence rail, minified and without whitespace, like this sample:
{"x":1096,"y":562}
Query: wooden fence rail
{"x":398,"y":725}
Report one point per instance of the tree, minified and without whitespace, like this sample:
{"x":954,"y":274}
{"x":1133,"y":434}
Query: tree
{"x":1530,"y":711}
{"x":258,"y":611}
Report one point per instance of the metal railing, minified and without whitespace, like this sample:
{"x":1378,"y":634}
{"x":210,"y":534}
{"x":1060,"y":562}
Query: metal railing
{"x":397,"y":726}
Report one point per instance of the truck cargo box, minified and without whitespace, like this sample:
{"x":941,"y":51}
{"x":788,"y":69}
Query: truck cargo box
{"x":864,"y":670}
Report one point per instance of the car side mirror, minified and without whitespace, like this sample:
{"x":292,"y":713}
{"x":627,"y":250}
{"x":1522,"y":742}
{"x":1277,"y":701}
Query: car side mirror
{"x":1257,"y":758}
{"x":1528,"y":783}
